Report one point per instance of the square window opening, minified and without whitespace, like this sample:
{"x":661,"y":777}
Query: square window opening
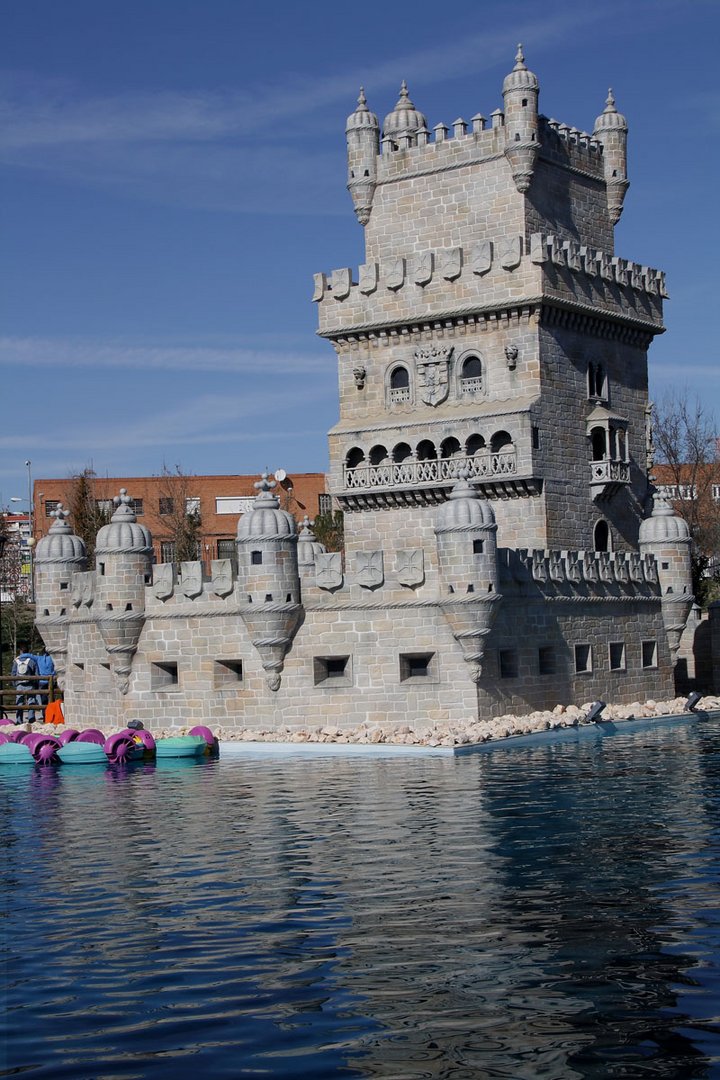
{"x":508,"y":663}
{"x":649,"y":654}
{"x":583,"y":659}
{"x":227,"y":674}
{"x":332,"y":671}
{"x":616,"y":651}
{"x":164,"y":675}
{"x":416,"y":666}
{"x":478,"y":547}
{"x":256,"y":558}
{"x":547,"y":660}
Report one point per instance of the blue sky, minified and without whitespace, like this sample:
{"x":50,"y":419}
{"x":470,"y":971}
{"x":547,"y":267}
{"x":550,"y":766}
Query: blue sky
{"x":172,"y":173}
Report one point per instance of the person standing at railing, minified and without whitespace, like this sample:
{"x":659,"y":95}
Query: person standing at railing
{"x":24,"y":674}
{"x":46,"y":670}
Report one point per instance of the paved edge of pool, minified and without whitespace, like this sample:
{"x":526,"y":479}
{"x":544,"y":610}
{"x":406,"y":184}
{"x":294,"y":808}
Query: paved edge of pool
{"x":598,"y":730}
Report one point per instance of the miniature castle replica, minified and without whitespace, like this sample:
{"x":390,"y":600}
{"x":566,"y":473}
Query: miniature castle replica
{"x":491,"y":459}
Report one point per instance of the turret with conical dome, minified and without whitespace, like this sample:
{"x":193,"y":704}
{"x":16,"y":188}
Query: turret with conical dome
{"x":362,"y":132}
{"x":404,"y":121}
{"x":465,"y":532}
{"x":520,"y":94}
{"x":123,"y":559}
{"x":611,"y":130}
{"x":666,"y":537}
{"x":58,"y":556}
{"x":268,"y":582}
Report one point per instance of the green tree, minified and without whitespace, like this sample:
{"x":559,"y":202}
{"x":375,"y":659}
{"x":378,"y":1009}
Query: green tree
{"x":329,"y":528}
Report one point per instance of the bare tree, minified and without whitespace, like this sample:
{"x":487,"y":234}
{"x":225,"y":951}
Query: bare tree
{"x":179,"y":521}
{"x":687,"y":449}
{"x":87,"y":513}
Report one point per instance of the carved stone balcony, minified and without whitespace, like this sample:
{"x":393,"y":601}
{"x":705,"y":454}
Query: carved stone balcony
{"x":413,"y":482}
{"x":607,"y":476}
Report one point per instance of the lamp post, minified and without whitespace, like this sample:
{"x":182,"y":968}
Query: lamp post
{"x":3,"y":543}
{"x":31,"y":538}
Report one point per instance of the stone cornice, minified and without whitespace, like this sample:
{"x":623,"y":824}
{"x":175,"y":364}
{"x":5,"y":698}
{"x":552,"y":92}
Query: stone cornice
{"x":599,"y":321}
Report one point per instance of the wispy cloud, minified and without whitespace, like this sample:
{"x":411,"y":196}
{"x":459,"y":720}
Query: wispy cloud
{"x":24,"y":353}
{"x":194,"y":148}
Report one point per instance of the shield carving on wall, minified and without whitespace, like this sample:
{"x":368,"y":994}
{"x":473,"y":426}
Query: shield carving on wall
{"x":433,"y":379}
{"x":410,"y":569}
{"x":328,"y":570}
{"x":369,"y":569}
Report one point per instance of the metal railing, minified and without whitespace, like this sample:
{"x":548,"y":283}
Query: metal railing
{"x":403,"y":473}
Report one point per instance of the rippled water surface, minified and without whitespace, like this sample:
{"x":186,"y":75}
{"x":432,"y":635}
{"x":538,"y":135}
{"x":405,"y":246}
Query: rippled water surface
{"x":545,"y":912}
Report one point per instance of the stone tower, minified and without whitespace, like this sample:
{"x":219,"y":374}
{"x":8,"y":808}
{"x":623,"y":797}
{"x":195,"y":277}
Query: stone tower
{"x":268,"y":580}
{"x":123,"y":567}
{"x":666,"y":536}
{"x":491,"y":327}
{"x":58,"y":556}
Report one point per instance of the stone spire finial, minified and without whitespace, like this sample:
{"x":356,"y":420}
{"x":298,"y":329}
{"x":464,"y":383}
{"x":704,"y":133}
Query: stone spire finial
{"x":307,"y":526}
{"x":265,"y":499}
{"x":519,"y":58}
{"x":60,"y":514}
{"x":123,"y":507}
{"x":610,"y":101}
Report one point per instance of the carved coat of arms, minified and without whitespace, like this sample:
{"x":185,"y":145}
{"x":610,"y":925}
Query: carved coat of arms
{"x":369,"y":569}
{"x":433,"y":379}
{"x":163,"y":580}
{"x":410,"y":568}
{"x":328,"y":570}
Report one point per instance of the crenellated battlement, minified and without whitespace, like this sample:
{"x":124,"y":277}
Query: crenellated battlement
{"x":585,"y":574}
{"x":462,"y":143}
{"x":507,"y":271}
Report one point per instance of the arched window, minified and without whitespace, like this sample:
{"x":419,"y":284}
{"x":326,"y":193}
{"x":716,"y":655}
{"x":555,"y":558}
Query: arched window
{"x":426,"y":451}
{"x":401,"y":452}
{"x":501,"y":440}
{"x":471,"y":375}
{"x":450,"y":448}
{"x":377,"y":455}
{"x":354,"y":457}
{"x":399,"y":385}
{"x":474,"y":445}
{"x":599,"y":444}
{"x":601,"y":536}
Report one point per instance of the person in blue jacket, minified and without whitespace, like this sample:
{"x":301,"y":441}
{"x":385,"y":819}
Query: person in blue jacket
{"x":24,"y":672}
{"x":45,"y":668}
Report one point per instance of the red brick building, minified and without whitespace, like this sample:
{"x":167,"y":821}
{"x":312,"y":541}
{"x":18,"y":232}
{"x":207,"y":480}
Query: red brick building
{"x":218,"y":500}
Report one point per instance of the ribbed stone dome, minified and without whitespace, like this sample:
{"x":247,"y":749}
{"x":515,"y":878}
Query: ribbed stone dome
{"x":464,"y":507}
{"x":266,"y":518}
{"x":404,"y":119}
{"x":520,"y":78}
{"x":123,"y":534}
{"x":308,"y":545}
{"x":362,"y":117}
{"x":610,"y":119}
{"x":61,"y":544}
{"x":663,"y":524}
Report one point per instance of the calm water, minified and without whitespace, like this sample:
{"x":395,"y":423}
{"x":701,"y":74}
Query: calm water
{"x":532,"y":913}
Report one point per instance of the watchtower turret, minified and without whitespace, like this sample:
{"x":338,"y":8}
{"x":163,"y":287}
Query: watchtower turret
{"x":520,"y":93}
{"x":268,"y":581}
{"x":363,"y":146}
{"x":123,"y":561}
{"x":666,"y":536}
{"x":465,"y":532}
{"x":611,"y":130}
{"x":57,"y":557}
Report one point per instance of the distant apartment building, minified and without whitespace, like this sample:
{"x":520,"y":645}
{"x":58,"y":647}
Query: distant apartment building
{"x":159,"y":501}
